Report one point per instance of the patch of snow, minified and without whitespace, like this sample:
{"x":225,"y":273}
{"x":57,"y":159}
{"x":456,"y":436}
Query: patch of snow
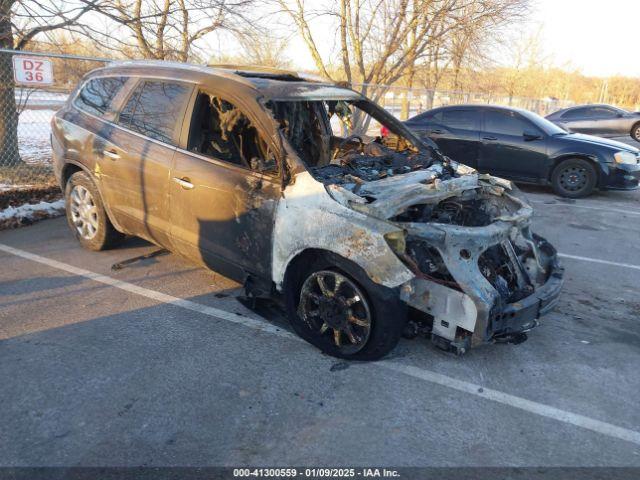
{"x":42,"y":209}
{"x":5,"y":187}
{"x":34,"y":129}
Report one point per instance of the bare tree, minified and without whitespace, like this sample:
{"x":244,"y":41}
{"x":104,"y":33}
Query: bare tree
{"x":20,"y":22}
{"x":171,"y":29}
{"x":257,"y":49}
{"x":382,"y":41}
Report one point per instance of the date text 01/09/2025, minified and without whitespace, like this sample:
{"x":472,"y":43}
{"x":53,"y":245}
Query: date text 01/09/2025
{"x":315,"y":473}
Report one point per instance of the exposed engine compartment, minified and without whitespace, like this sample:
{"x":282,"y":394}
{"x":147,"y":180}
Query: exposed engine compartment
{"x":464,"y":236}
{"x":377,"y":163}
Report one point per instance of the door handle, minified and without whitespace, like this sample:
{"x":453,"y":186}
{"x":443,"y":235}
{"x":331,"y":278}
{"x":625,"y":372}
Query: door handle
{"x":184,"y":183}
{"x":112,"y":154}
{"x":437,"y":131}
{"x":489,"y":138}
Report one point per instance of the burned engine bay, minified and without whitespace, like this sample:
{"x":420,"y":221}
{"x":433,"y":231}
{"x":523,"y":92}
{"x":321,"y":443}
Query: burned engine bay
{"x":481,"y":275}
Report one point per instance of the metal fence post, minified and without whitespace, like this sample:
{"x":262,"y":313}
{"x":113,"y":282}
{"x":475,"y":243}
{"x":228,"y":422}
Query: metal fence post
{"x":26,"y":110}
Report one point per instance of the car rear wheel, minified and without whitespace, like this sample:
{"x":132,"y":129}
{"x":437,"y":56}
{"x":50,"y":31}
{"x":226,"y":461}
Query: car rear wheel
{"x":86,"y":215}
{"x":574,"y":178}
{"x":334,"y":305}
{"x":635,"y":132}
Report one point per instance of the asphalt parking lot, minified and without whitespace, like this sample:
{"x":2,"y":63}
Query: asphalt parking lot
{"x":159,"y":364}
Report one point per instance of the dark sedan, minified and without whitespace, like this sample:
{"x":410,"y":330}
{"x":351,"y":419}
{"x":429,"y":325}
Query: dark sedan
{"x":601,"y":120}
{"x":522,"y":146}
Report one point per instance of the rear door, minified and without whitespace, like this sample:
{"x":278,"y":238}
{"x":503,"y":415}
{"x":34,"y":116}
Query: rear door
{"x":454,"y":130}
{"x":510,"y":148}
{"x":225,"y":186}
{"x":137,"y":161}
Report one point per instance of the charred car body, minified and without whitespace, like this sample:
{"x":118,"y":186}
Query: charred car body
{"x":248,"y":172}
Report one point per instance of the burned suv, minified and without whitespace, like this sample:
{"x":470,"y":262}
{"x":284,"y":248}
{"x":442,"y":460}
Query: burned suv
{"x":253,"y":173}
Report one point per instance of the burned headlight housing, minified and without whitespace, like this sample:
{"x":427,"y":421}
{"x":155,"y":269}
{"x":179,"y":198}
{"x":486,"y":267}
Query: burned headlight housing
{"x":423,"y":259}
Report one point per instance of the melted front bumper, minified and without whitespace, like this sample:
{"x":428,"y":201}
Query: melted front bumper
{"x":523,"y":315}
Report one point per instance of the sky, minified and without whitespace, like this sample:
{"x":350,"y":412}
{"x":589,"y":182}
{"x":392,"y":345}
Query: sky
{"x":599,"y":38}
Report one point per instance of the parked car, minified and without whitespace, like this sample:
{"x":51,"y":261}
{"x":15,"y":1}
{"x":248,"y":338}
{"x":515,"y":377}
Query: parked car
{"x":522,"y":146}
{"x":240,"y":171}
{"x":600,"y":120}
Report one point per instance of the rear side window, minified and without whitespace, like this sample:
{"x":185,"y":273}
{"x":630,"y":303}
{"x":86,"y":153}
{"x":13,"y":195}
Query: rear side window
{"x":155,"y":109}
{"x":422,"y":118}
{"x":575,"y":113}
{"x":458,"y":119}
{"x":97,"y":94}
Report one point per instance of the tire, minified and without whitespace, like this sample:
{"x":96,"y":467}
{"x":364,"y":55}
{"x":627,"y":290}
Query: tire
{"x":386,"y":313}
{"x":86,"y":215}
{"x":635,"y":132}
{"x":574,"y":178}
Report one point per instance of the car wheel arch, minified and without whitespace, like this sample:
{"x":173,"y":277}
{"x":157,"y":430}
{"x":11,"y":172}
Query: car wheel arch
{"x":70,"y":167}
{"x":307,"y":257}
{"x":561,"y":158}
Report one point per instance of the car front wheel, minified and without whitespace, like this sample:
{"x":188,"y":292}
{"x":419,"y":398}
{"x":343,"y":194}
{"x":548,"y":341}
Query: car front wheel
{"x":86,"y":215}
{"x":574,"y":178}
{"x":333,"y":305}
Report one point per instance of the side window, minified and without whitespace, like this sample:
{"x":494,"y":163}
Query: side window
{"x":426,"y":117}
{"x":506,"y":123}
{"x":575,"y":113}
{"x":96,"y":95}
{"x":220,"y":130}
{"x":460,"y":119}
{"x":154,"y":109}
{"x":602,"y":112}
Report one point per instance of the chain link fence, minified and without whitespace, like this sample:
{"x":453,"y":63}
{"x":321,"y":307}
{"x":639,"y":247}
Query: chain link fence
{"x":28,"y":105}
{"x":406,"y":102}
{"x":33,"y":86}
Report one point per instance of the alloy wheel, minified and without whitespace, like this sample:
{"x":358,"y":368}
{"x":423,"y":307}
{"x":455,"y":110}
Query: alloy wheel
{"x":84,"y":212}
{"x":334,"y":307}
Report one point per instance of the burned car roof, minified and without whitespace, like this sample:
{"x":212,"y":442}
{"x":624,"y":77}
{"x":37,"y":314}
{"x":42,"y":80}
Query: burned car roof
{"x":271,"y":83}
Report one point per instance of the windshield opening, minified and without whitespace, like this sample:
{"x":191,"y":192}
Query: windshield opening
{"x":545,"y":125}
{"x":335,"y":138}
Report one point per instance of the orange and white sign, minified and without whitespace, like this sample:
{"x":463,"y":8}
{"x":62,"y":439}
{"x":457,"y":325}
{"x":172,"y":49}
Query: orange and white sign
{"x":32,"y":70}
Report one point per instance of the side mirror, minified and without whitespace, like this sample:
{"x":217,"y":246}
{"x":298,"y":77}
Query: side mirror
{"x":530,"y":136}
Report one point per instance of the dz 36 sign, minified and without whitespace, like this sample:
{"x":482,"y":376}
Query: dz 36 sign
{"x":32,"y":70}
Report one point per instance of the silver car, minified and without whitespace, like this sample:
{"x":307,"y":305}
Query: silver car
{"x":600,"y":120}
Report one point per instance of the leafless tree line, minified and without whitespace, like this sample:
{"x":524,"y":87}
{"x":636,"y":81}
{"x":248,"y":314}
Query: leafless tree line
{"x":383,"y":42}
{"x":379,"y":42}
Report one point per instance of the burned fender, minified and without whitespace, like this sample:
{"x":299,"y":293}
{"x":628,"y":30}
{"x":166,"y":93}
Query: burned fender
{"x":307,"y":217}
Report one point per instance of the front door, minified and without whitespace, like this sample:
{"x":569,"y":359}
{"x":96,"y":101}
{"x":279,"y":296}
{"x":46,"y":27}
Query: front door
{"x":512,"y":147}
{"x":224,"y":191}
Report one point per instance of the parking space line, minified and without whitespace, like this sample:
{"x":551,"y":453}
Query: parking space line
{"x":497,"y":396}
{"x":517,"y":402}
{"x":588,"y":207}
{"x":151,"y":294}
{"x":597,"y":260}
